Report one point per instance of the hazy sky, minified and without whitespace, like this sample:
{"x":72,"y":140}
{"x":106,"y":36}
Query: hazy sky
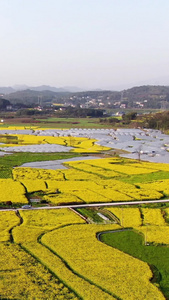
{"x":84,"y":43}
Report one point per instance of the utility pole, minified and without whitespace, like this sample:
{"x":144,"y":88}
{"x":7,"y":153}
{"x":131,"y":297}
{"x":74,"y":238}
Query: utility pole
{"x":139,"y":152}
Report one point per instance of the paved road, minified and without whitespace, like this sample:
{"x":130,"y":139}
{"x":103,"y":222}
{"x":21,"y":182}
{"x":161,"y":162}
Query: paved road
{"x":91,"y":205}
{"x":98,"y":235}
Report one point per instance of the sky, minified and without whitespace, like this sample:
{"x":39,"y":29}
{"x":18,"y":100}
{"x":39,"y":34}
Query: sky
{"x":90,"y":44}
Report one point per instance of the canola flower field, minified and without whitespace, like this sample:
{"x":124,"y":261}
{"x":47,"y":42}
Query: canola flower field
{"x":78,"y":144}
{"x":57,"y":254}
{"x":91,"y":181}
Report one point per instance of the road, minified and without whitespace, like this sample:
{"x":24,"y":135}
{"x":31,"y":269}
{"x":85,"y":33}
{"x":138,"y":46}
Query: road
{"x":90,"y":205}
{"x":98,"y":235}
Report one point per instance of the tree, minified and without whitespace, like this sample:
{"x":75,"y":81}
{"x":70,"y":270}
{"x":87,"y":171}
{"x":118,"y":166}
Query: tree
{"x":128,"y":117}
{"x":4,"y":103}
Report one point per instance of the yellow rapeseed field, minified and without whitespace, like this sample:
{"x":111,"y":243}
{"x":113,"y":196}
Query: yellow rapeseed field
{"x":148,"y":221}
{"x":128,"y":217}
{"x":75,"y":244}
{"x":65,"y":244}
{"x":155,"y":234}
{"x":22,"y":277}
{"x":79,"y":144}
{"x":95,"y":170}
{"x":82,"y":286}
{"x":74,"y":174}
{"x":50,"y":219}
{"x":37,"y":222}
{"x":118,"y":273}
{"x":34,"y":185}
{"x":63,"y":198}
{"x":153,"y":216}
{"x":83,"y":180}
{"x":8,"y":219}
{"x":12,"y":191}
{"x":159,"y":185}
{"x":34,"y":174}
{"x":116,"y":166}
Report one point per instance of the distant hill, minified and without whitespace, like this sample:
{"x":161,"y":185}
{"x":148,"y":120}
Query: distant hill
{"x":32,"y":96}
{"x":73,"y":89}
{"x":6,"y":90}
{"x":48,"y":88}
{"x":41,"y":88}
{"x":146,"y":91}
{"x":147,"y":96}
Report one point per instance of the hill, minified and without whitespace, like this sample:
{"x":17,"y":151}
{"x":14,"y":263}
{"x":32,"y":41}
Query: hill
{"x":148,"y":96}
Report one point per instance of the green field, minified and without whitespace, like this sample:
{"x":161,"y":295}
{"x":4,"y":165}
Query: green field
{"x":133,"y":179}
{"x":51,"y":122}
{"x":8,"y":162}
{"x":73,"y":123}
{"x":157,"y":256}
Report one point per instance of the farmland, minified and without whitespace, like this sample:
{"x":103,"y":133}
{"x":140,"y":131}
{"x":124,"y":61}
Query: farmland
{"x":132,"y":243}
{"x":49,"y":237}
{"x":59,"y":253}
{"x":93,"y":181}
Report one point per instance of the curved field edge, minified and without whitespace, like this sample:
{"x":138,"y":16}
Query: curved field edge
{"x":75,"y":238}
{"x":132,"y":242}
{"x":23,"y":277}
{"x":9,"y":220}
{"x":118,"y":273}
{"x":33,"y":278}
{"x":31,"y":243}
{"x":82,"y":287}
